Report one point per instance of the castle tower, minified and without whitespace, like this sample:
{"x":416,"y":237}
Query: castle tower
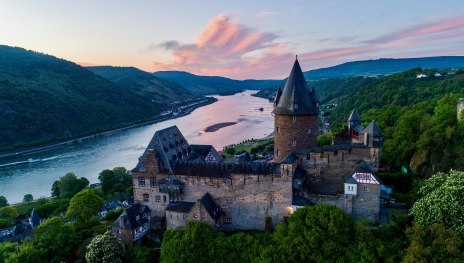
{"x":354,"y":120}
{"x":296,"y":112}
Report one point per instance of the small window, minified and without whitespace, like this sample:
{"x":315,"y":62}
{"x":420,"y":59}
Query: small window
{"x":278,"y":129}
{"x":366,"y":188}
{"x":293,"y":143}
{"x":294,"y":119}
{"x":164,"y":199}
{"x":153,"y":182}
{"x":141,"y":181}
{"x":228,"y":220}
{"x":146,"y":197}
{"x":309,"y":131}
{"x":157,"y":198}
{"x":376,"y":139}
{"x":308,"y":156}
{"x":295,"y":106}
{"x":185,"y":216}
{"x":277,"y":152}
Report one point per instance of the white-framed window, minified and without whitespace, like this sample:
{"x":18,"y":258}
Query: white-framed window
{"x":350,"y":187}
{"x":293,"y":143}
{"x":228,"y":220}
{"x":366,"y":188}
{"x":295,"y":106}
{"x":141,"y":181}
{"x":158,"y":199}
{"x":293,"y":118}
{"x":277,"y":152}
{"x":309,"y":131}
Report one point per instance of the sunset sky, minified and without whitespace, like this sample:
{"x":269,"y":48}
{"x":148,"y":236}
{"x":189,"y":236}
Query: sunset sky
{"x":237,"y":39}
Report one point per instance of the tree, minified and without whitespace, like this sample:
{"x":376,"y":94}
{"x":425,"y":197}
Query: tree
{"x":194,"y":244}
{"x":3,"y":201}
{"x":84,"y":205}
{"x":28,"y":198}
{"x":320,"y":233}
{"x":105,"y":248}
{"x":69,"y":185}
{"x":7,"y":215}
{"x":441,"y":201}
{"x":7,"y":249}
{"x":324,"y":139}
{"x":53,"y":241}
{"x":434,"y":243}
{"x":116,"y":180}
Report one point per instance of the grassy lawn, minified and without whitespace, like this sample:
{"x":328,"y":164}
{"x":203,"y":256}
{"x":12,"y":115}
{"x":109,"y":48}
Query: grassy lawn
{"x":247,"y":146}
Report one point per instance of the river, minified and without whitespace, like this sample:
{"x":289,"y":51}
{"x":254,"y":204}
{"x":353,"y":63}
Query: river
{"x":89,"y":158}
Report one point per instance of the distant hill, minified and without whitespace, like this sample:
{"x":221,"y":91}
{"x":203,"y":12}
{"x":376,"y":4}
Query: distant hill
{"x":143,"y":83}
{"x":44,"y":99}
{"x":213,"y":84}
{"x":384,"y":66}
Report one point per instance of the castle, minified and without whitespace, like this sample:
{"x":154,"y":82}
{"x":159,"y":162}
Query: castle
{"x":180,"y":182}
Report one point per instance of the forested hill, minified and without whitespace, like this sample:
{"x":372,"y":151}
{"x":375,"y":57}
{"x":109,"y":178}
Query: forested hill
{"x":384,"y":66}
{"x":43,"y":99}
{"x":143,"y":83}
{"x":417,"y":116}
{"x":213,"y":84}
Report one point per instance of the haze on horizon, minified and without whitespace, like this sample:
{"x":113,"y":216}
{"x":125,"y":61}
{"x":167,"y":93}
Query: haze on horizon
{"x":237,"y":39}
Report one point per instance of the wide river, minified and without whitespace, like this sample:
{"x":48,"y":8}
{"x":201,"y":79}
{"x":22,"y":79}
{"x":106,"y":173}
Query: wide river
{"x":89,"y":158}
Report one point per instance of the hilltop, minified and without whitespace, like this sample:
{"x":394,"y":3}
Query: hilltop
{"x":213,"y":84}
{"x":384,"y":66}
{"x":45,"y":99}
{"x":143,"y":83}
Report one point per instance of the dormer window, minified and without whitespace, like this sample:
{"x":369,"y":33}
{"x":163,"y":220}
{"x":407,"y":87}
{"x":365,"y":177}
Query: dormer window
{"x":295,"y":106}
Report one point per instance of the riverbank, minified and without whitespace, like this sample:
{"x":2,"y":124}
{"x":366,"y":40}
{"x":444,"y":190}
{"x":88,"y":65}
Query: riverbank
{"x":52,"y":146}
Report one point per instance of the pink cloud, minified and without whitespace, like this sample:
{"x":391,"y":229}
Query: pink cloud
{"x":424,"y":29}
{"x":228,"y":48}
{"x":223,"y":47}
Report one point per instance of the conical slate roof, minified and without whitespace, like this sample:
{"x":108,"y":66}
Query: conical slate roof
{"x":354,"y":116}
{"x":373,"y":130}
{"x":296,"y":98}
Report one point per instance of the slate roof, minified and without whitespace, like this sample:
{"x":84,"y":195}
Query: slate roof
{"x":364,"y":167}
{"x":200,"y":151}
{"x":35,"y":218}
{"x":296,"y":92}
{"x":180,"y":206}
{"x":213,"y":209}
{"x":351,"y":180}
{"x":354,"y":116}
{"x":373,"y":129}
{"x":290,"y":158}
{"x":169,"y":144}
{"x":128,"y":218}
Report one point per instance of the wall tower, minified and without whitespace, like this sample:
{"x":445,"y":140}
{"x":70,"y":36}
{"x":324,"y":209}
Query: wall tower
{"x":296,"y":110}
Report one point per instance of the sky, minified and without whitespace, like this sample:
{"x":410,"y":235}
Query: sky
{"x":237,"y":39}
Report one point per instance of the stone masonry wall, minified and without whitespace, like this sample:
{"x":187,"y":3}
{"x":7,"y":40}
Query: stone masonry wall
{"x":367,"y":202}
{"x":285,"y":131}
{"x":246,"y":199}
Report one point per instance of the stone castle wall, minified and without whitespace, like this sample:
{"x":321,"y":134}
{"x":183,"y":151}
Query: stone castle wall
{"x":246,"y":199}
{"x":286,"y":130}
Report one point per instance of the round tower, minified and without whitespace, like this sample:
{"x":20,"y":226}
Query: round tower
{"x":296,"y":112}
